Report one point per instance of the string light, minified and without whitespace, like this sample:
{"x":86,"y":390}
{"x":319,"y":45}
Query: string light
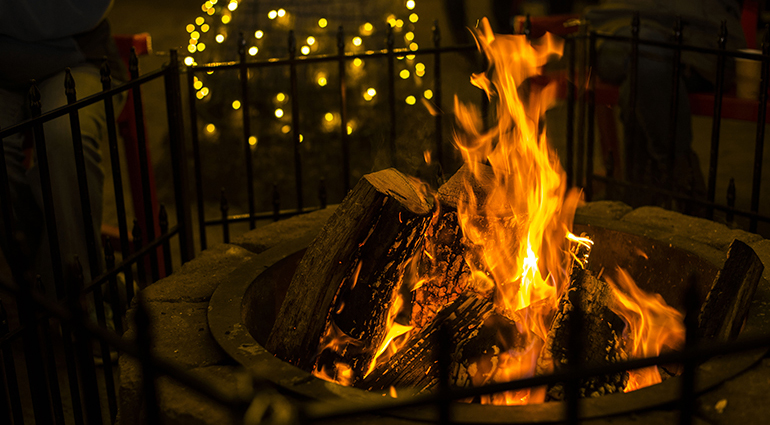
{"x":199,"y":20}
{"x":404,"y":74}
{"x":410,"y":4}
{"x":410,"y":100}
{"x":211,"y":11}
{"x":350,"y":129}
{"x":428,"y":94}
{"x":301,"y":138}
{"x":305,"y":50}
{"x":253,"y":50}
{"x":201,"y":47}
{"x":357,"y":41}
{"x":189,"y":60}
{"x":323,"y":22}
{"x":413,"y":46}
{"x":409,"y":36}
{"x":366,"y":29}
{"x":195,"y":35}
{"x":369,"y":94}
{"x":205,"y":7}
{"x":413,"y":18}
{"x":310,"y":40}
{"x":259,"y":34}
{"x":279,"y":113}
{"x":286,"y":129}
{"x":220,"y":38}
{"x":399,"y":23}
{"x":321,"y":81}
{"x":205,"y":28}
{"x":190,"y":27}
{"x":198,"y":85}
{"x":232,"y":6}
{"x":225,"y":19}
{"x":280,"y":97}
{"x":205,"y":91}
{"x":329,"y":117}
{"x":199,"y":95}
{"x":236,"y":103}
{"x":253,"y":140}
{"x":358,"y":62}
{"x":281,"y":13}
{"x":211,"y":128}
{"x":272,"y":14}
{"x":191,"y":48}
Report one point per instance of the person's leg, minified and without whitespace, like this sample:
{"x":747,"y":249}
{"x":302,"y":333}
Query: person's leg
{"x":64,"y":180}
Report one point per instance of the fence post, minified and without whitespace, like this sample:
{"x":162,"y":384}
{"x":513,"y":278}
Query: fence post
{"x":244,"y":75}
{"x":178,"y":157}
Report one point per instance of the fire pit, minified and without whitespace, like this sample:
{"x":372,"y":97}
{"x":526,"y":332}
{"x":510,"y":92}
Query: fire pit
{"x":241,"y":332}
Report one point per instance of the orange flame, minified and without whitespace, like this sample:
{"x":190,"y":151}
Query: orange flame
{"x":651,"y":326}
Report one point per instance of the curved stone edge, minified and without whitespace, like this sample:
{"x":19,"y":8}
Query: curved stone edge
{"x":192,"y":286}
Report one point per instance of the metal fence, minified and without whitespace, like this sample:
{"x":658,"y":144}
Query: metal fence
{"x":42,"y":319}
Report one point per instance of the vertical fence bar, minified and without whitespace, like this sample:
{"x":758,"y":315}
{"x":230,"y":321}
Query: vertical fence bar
{"x":687,"y":390}
{"x":83,"y":347}
{"x":197,"y":166}
{"x":630,"y":145}
{"x":144,"y":166}
{"x":322,"y":193}
{"x":674,"y":107}
{"x":141,"y":274}
{"x":716,"y":119}
{"x":344,"y":139}
{"x":55,"y":251}
{"x":295,"y":131}
{"x":730,"y":200}
{"x":760,"y":142}
{"x":90,"y":235}
{"x":392,"y":97}
{"x":571,"y":111}
{"x":50,"y":360}
{"x":437,"y":95}
{"x":38,"y":382}
{"x":244,"y":76}
{"x":589,"y":189}
{"x":178,"y":157}
{"x":117,"y":178}
{"x":163,"y":221}
{"x":225,"y":222}
{"x":144,"y":342}
{"x":114,"y":291}
{"x":9,"y":365}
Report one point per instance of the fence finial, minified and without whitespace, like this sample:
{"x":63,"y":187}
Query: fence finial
{"x":69,"y":85}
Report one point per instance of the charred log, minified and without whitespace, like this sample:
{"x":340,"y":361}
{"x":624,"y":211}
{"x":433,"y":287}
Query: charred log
{"x":415,"y":365}
{"x":727,"y":303}
{"x":351,"y":273}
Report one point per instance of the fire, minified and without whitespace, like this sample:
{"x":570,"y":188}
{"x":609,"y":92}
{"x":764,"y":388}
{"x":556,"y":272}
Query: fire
{"x":651,"y":326}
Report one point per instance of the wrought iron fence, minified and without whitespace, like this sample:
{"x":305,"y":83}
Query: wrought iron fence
{"x":41,"y":318}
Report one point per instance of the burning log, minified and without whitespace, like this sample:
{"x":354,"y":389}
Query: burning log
{"x":600,"y":337}
{"x":414,"y":365}
{"x":727,"y":303}
{"x":351,"y":274}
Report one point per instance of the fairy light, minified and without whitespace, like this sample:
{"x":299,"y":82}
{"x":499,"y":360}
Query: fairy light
{"x":253,"y":50}
{"x":232,"y":6}
{"x":419,"y":72}
{"x":404,"y":74}
{"x":279,"y":113}
{"x":419,"y":66}
{"x":236,"y":103}
{"x":272,"y":14}
{"x":391,"y":20}
{"x":205,"y":91}
{"x":301,"y":138}
{"x":428,"y":94}
{"x":226,"y":19}
{"x":190,"y":27}
{"x":357,"y":41}
{"x":323,"y":22}
{"x":410,"y":4}
{"x":280,"y":97}
{"x":410,"y":100}
{"x":322,"y":81}
{"x":210,"y":128}
{"x":199,"y":95}
{"x":193,"y":41}
{"x":357,"y":62}
{"x":205,"y":7}
{"x":350,"y":129}
{"x":205,"y":28}
{"x":259,"y":34}
{"x":409,"y":36}
{"x":198,"y":85}
{"x":253,"y":140}
{"x":399,"y":23}
{"x":311,"y":40}
{"x":208,"y":4}
{"x":410,"y":57}
{"x":366,"y":29}
{"x":211,"y":11}
{"x":189,"y":60}
{"x":329,"y":117}
{"x":199,"y":20}
{"x":201,"y":47}
{"x":369,"y":94}
{"x":219,"y":38}
{"x":281,"y":13}
{"x":413,"y":46}
{"x":286,"y":129}
{"x":413,"y":18}
{"x":305,"y":50}
{"x":191,"y":48}
{"x":195,"y":35}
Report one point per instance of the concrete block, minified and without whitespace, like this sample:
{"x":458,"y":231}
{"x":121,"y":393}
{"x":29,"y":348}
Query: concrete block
{"x":610,"y":210}
{"x":266,"y":237}
{"x":180,"y":405}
